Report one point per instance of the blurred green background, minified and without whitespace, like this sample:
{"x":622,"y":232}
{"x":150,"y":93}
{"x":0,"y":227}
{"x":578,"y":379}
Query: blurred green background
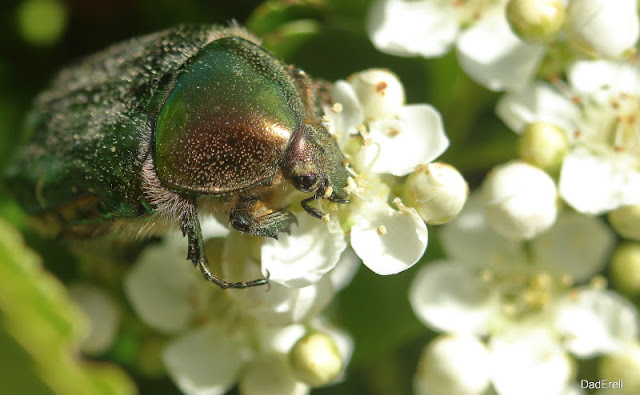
{"x":327,"y":39}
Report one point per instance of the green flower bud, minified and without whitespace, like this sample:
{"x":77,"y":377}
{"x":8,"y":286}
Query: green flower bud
{"x":624,"y":366}
{"x":315,"y":359}
{"x":625,"y":268}
{"x":536,"y":21}
{"x":626,"y":221}
{"x":544,"y":145}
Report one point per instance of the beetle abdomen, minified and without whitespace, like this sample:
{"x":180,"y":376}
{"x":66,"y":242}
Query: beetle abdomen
{"x":91,"y":130}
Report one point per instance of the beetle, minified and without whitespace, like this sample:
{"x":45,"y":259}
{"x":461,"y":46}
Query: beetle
{"x":157,"y":129}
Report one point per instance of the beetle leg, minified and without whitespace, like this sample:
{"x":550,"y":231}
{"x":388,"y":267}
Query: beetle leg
{"x":190,"y":225}
{"x":311,"y":210}
{"x":251,"y":216}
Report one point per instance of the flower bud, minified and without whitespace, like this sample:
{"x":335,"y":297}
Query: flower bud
{"x":623,"y":366}
{"x":536,"y":21}
{"x":626,"y":221}
{"x":453,"y":364}
{"x":437,"y":191}
{"x":625,"y":268}
{"x":379,"y":91}
{"x":520,"y":200}
{"x":315,"y":359}
{"x":543,"y":145}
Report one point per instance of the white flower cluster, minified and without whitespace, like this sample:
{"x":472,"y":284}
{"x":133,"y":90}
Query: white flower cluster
{"x":273,"y":340}
{"x":520,"y":297}
{"x":598,"y":114}
{"x":501,"y":43}
{"x":249,"y":338}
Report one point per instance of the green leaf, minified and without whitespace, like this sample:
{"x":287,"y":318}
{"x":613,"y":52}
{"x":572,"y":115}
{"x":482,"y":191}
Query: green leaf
{"x":270,"y":15}
{"x":42,"y":330}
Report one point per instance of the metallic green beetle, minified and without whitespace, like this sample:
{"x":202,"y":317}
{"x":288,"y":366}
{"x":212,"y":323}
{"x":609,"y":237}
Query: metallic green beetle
{"x":154,"y":130}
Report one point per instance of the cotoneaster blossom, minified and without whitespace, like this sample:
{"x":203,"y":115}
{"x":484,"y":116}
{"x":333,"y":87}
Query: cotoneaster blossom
{"x":382,"y":138}
{"x":222,"y":338}
{"x":532,"y":304}
{"x":482,"y":31}
{"x":486,"y":47}
{"x":598,"y":111}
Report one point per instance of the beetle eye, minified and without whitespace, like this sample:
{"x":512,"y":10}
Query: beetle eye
{"x":305,"y":183}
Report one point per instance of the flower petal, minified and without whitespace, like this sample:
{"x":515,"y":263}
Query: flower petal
{"x":590,"y":77}
{"x":416,"y":137}
{"x":537,"y":103}
{"x":282,"y":305}
{"x":577,"y":245}
{"x":595,"y":321}
{"x":388,"y":241}
{"x":603,"y":28}
{"x":469,"y":240}
{"x":531,"y":356}
{"x":344,"y":123}
{"x":399,"y":27}
{"x":492,"y":55}
{"x":212,"y":228}
{"x":163,"y":288}
{"x":204,"y":362}
{"x":452,"y":298}
{"x":345,"y":269}
{"x":594,"y":184}
{"x":302,"y":258}
{"x":103,"y":314}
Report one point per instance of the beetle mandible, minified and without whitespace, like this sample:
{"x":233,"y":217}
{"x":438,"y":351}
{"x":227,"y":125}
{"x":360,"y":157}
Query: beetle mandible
{"x":157,"y":129}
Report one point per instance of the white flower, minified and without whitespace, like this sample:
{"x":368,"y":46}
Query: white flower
{"x":487,"y":48}
{"x":522,"y":299}
{"x":284,"y":304}
{"x":530,"y":355}
{"x":520,"y":200}
{"x":306,"y":255}
{"x":603,"y":27}
{"x":212,"y":358}
{"x":382,"y":135}
{"x":601,"y":170}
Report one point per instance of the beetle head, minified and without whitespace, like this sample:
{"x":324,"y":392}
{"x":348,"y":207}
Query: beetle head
{"x":314,"y":163}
